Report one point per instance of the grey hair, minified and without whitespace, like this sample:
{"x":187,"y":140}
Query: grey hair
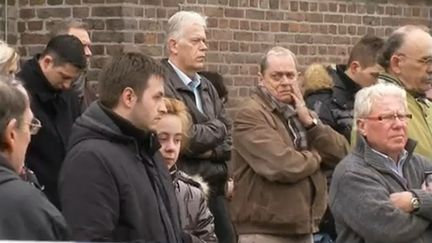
{"x":276,"y":51}
{"x":366,"y":97}
{"x":177,"y":22}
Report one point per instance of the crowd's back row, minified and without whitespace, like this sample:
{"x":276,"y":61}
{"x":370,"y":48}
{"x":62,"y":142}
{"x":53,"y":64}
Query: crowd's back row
{"x":137,"y":166}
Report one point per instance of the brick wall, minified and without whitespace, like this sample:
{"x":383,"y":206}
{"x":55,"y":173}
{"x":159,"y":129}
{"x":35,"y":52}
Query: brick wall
{"x":239,"y":30}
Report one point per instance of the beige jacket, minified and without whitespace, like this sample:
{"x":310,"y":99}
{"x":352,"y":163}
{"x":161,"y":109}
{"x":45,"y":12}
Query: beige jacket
{"x":279,"y":190}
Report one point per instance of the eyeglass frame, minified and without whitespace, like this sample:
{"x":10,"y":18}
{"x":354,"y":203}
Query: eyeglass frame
{"x":425,"y":61}
{"x":390,"y":117}
{"x":35,"y":125}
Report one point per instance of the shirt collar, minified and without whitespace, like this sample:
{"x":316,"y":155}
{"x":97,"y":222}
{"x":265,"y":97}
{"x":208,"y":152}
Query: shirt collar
{"x":395,"y":166}
{"x":196,"y":81}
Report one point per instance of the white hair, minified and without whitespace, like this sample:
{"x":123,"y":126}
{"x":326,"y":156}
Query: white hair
{"x":366,"y":97}
{"x":178,"y":21}
{"x":276,"y":51}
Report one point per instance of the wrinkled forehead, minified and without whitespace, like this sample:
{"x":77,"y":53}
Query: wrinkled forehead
{"x":281,"y":62}
{"x":417,"y":43}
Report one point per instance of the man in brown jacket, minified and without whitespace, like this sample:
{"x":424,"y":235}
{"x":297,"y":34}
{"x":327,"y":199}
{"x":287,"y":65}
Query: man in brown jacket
{"x":279,"y":148}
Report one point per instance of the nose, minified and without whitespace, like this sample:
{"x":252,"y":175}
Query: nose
{"x":169,"y":145}
{"x":162,"y":108}
{"x":203,"y":46}
{"x":87,"y":51}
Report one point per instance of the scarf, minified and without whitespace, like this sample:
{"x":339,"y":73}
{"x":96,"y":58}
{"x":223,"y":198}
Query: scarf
{"x":290,"y":119}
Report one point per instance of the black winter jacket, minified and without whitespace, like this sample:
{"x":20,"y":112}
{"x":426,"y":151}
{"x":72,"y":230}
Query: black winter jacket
{"x":211,"y":131}
{"x":57,"y":111}
{"x":25,"y":212}
{"x":114,"y":185}
{"x":334,"y":103}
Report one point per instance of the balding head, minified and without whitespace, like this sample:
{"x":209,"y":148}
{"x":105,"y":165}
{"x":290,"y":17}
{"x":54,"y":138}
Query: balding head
{"x":407,"y":55}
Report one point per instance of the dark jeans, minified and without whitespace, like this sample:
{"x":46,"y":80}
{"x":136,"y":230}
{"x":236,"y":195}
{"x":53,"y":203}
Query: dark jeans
{"x":223,"y":227}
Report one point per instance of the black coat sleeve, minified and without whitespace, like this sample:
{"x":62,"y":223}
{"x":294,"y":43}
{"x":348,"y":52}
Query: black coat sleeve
{"x":89,"y":196}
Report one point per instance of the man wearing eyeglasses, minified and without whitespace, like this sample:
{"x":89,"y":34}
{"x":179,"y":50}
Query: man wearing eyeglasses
{"x":25,"y":213}
{"x":407,"y":60}
{"x":279,"y":149}
{"x":48,"y":78}
{"x":378,"y":192}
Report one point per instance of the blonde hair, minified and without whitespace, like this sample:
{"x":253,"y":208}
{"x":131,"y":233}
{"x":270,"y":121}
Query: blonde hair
{"x":8,"y":57}
{"x":178,"y":108}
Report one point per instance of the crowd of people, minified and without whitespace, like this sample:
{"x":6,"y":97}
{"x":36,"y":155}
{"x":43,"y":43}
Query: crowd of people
{"x":341,"y":153}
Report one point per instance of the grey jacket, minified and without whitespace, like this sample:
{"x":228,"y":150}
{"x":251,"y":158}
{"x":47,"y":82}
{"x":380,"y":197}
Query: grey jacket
{"x":195,"y":216}
{"x":359,"y":198}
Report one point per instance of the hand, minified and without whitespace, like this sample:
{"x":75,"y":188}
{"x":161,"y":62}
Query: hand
{"x":229,"y":189}
{"x":300,"y":106}
{"x":402,"y":200}
{"x":427,"y":188}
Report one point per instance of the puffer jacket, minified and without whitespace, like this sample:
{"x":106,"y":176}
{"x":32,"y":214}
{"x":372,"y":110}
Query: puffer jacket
{"x":333,"y":100}
{"x":195,"y":216}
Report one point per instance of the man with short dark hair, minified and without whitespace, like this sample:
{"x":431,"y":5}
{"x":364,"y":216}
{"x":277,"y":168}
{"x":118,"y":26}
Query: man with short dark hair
{"x":333,"y":102}
{"x":114,"y":185}
{"x":25,"y":213}
{"x":78,"y":29}
{"x":48,"y":78}
{"x":407,"y":60}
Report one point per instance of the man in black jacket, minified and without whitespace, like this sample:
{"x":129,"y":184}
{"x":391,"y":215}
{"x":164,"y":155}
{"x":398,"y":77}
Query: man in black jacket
{"x":25,"y":213}
{"x":114,"y":185}
{"x":334,"y":102}
{"x":210,"y":139}
{"x":48,"y":79}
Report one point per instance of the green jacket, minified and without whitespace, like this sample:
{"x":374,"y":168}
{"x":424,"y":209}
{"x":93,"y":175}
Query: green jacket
{"x":420,"y":126}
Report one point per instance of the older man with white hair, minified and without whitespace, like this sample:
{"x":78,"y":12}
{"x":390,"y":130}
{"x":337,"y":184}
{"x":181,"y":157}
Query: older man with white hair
{"x":210,"y":137}
{"x":378,"y":192}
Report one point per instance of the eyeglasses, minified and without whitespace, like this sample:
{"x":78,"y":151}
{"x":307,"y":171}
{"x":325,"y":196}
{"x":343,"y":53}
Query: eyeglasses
{"x":424,"y":61}
{"x":390,"y":117}
{"x":35,"y":126}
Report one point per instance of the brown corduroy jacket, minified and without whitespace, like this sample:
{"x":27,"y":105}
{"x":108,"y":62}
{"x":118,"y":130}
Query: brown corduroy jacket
{"x":279,"y":190}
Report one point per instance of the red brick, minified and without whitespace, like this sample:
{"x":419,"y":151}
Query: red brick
{"x":27,"y":13}
{"x":314,"y":17}
{"x":304,"y":6}
{"x":274,"y":15}
{"x":35,"y":25}
{"x":214,"y":11}
{"x":45,"y":13}
{"x":80,"y":12}
{"x":222,"y":34}
{"x":294,"y":6}
{"x":255,"y":14}
{"x":55,"y":2}
{"x":243,"y":36}
{"x":333,"y":18}
{"x":33,"y":38}
{"x":234,"y":24}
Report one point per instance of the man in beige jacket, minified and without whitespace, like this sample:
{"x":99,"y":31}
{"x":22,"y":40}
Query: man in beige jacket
{"x":279,"y":149}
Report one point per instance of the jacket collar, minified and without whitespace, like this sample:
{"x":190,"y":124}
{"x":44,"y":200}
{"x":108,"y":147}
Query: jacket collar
{"x":344,"y":86}
{"x":147,"y":139}
{"x":177,"y":82}
{"x":387,"y":77}
{"x":375,"y":160}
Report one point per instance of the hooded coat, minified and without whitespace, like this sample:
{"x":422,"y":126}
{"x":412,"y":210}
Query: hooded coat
{"x":114,"y":185}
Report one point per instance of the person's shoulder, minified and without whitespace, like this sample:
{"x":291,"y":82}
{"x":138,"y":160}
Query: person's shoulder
{"x":196,"y":183}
